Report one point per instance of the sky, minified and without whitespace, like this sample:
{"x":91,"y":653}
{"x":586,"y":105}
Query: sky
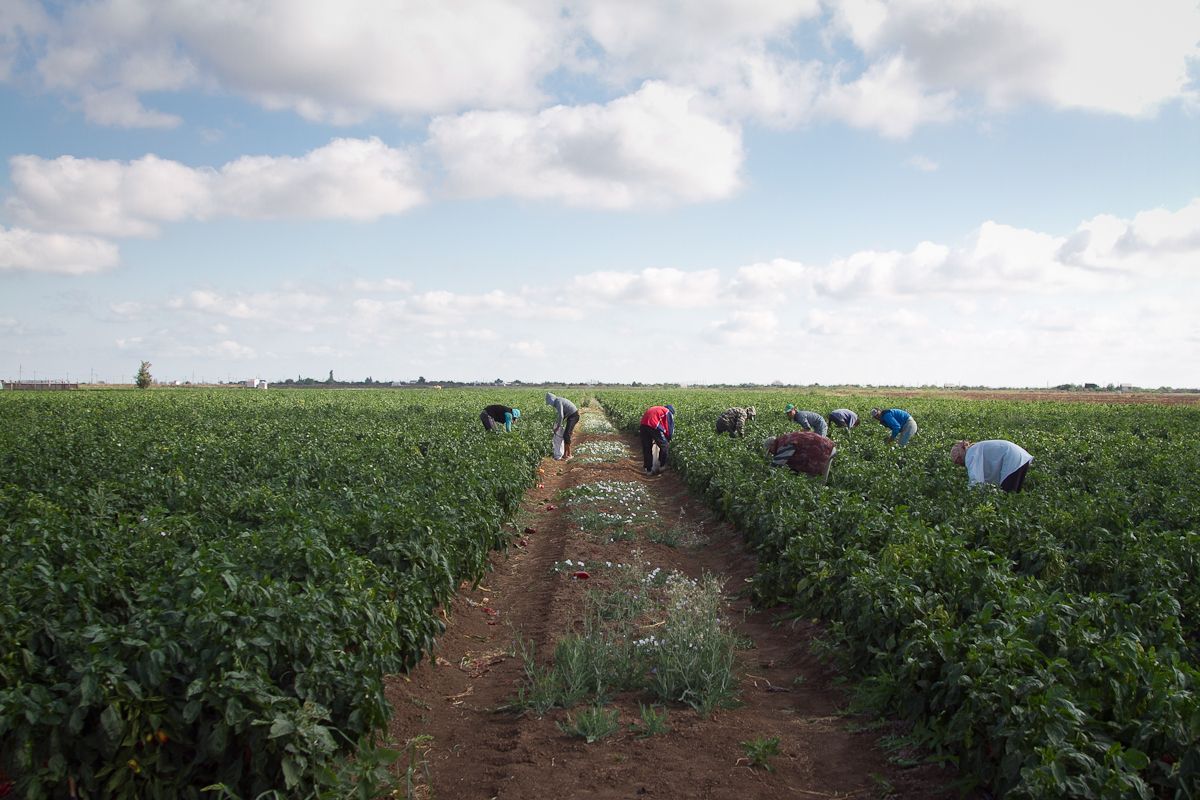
{"x":916,"y":192}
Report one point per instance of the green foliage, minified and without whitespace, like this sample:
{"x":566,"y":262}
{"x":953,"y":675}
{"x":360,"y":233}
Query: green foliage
{"x":143,"y":379}
{"x":592,"y":724}
{"x":659,"y":633}
{"x":207,"y":587}
{"x":1046,"y":642}
{"x":653,"y":722}
{"x":760,"y":750}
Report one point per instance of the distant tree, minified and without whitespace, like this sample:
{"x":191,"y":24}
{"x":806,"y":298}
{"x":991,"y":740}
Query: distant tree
{"x":143,"y":375}
{"x":499,"y":381}
{"x":330,"y":378}
{"x":368,"y":379}
{"x":421,"y":380}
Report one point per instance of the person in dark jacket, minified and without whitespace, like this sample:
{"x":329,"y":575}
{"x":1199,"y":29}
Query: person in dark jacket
{"x":843,"y":418}
{"x":495,"y":415}
{"x":803,"y":452}
{"x":657,"y":427}
{"x":733,"y":421}
{"x":568,"y":418}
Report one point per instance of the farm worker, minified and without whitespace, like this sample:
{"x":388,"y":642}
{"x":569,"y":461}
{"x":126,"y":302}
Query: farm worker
{"x":567,"y":413}
{"x":657,"y":428}
{"x":807,"y":420}
{"x":495,"y":414}
{"x":843,"y":418}
{"x":899,"y":422}
{"x":733,"y":421}
{"x":803,"y":452}
{"x":994,"y":461}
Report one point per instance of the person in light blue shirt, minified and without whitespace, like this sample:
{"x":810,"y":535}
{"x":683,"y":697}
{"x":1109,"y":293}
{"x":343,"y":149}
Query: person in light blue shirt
{"x":898,"y":421}
{"x":995,"y":461}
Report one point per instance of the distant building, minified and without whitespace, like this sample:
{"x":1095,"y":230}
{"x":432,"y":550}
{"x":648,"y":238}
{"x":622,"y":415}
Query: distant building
{"x":256,"y":383}
{"x":1125,"y":387}
{"x":39,"y":386}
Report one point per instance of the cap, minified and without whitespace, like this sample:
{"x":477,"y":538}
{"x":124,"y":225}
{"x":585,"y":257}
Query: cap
{"x":790,"y":407}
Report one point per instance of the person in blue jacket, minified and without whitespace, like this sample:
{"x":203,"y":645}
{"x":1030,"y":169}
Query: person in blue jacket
{"x":898,"y":421}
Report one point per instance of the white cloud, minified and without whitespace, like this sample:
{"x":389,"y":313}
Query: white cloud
{"x":745,"y":328}
{"x":996,"y":258}
{"x":284,"y":307}
{"x":225,"y":350}
{"x":1108,"y":55}
{"x":651,"y":148}
{"x":922,"y":163}
{"x":888,"y":98}
{"x":664,"y":288}
{"x":1154,"y":242}
{"x":386,"y":285}
{"x":360,"y":179}
{"x":332,"y":63}
{"x":20,"y":21}
{"x":646,"y":37}
{"x":128,"y":342}
{"x":531,"y":349}
{"x":118,"y":108}
{"x":29,"y":251}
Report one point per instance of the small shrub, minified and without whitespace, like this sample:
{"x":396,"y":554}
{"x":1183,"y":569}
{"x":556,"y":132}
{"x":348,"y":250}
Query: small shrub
{"x":592,"y":724}
{"x":761,"y":750}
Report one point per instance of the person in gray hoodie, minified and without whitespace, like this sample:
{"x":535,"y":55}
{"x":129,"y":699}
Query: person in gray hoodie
{"x":568,"y":418}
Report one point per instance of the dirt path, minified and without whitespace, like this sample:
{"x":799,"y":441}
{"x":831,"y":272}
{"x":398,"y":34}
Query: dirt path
{"x":465,"y":745}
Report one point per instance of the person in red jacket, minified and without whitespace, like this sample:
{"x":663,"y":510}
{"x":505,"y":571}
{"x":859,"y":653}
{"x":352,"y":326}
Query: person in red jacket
{"x":804,"y":452}
{"x":657,"y":428}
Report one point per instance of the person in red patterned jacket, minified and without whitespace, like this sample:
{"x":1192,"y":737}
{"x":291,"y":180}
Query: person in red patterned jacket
{"x":803,"y":452}
{"x":657,"y":428}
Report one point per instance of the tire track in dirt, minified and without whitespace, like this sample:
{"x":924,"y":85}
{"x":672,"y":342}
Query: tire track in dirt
{"x":477,"y":749}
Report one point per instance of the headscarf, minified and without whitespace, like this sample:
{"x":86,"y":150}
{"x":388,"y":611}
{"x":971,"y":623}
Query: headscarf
{"x":767,"y":442}
{"x":750,"y":412}
{"x":958,"y":453}
{"x":670,"y":408}
{"x":875,"y":412}
{"x":550,"y":398}
{"x":516,"y":413}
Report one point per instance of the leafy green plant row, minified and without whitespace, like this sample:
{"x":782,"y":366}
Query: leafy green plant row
{"x":1046,"y":642}
{"x":208,"y":588}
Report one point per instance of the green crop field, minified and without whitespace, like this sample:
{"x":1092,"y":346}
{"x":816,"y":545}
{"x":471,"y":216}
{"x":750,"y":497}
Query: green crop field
{"x":1047,"y":642}
{"x":207,"y":588}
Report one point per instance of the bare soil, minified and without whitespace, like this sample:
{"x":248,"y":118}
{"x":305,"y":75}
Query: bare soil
{"x":464,"y":741}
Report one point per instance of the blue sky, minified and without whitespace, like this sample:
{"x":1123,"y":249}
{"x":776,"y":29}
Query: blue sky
{"x":998,"y":192}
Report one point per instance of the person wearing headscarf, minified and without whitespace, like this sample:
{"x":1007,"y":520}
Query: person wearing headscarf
{"x":656,"y":428}
{"x":803,"y":452}
{"x":733,"y":421}
{"x":568,"y":418}
{"x":898,"y":421}
{"x":807,"y":420}
{"x":494,"y":415}
{"x":995,"y":461}
{"x":843,"y":418}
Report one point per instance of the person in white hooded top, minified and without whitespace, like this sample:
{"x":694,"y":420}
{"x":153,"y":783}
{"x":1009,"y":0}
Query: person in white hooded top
{"x":994,"y":461}
{"x":568,"y":416}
